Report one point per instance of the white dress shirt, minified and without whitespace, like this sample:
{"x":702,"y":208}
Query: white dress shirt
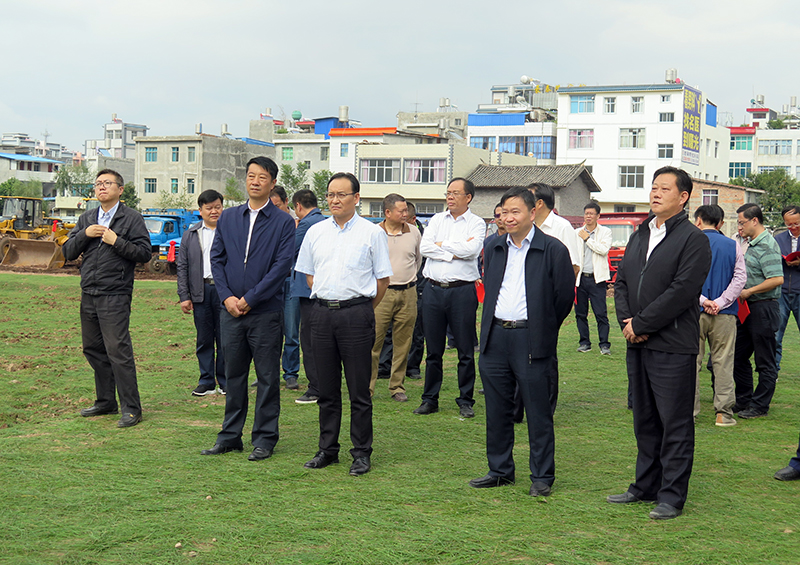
{"x":104,"y":218}
{"x":656,"y":235}
{"x":512,"y":301}
{"x":253,"y":216}
{"x":457,"y":258}
{"x":206,"y":240}
{"x":559,"y":228}
{"x":345,"y":262}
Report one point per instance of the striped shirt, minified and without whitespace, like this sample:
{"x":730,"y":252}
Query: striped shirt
{"x":763,"y":261}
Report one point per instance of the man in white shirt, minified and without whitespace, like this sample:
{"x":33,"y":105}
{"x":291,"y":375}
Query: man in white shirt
{"x":451,"y":243}
{"x":592,"y":282}
{"x":346,"y":262}
{"x":198,"y":293}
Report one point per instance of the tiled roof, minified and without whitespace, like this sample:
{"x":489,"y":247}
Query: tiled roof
{"x":557,"y":176}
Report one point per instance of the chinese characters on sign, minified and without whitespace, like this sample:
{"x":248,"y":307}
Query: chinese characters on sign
{"x":690,"y":147}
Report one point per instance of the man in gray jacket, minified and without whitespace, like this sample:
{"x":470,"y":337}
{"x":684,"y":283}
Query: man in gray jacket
{"x":112,"y":239}
{"x":198,"y":294}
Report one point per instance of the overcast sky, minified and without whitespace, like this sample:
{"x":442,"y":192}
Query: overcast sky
{"x":170,"y":64}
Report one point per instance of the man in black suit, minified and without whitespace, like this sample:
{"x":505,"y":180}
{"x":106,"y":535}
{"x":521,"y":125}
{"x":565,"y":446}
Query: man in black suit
{"x":529,"y":285}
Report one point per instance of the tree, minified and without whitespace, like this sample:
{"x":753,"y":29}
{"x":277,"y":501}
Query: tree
{"x":129,"y":196}
{"x":293,"y":179}
{"x":16,"y":187}
{"x":776,"y":124}
{"x":75,"y":180}
{"x":233,"y":194}
{"x":180,"y":200}
{"x":780,"y":190}
{"x":320,"y":187}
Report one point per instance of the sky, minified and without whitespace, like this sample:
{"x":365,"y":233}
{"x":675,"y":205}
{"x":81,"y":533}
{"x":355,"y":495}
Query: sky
{"x":170,"y":64}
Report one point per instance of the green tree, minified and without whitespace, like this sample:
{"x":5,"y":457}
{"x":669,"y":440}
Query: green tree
{"x":16,"y":187}
{"x":780,"y":190}
{"x":129,"y":196}
{"x":776,"y":124}
{"x":75,"y":180}
{"x":294,"y":178}
{"x":319,"y":185}
{"x":233,"y":194}
{"x":11,"y":187}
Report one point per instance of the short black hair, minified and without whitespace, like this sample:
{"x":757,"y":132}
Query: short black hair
{"x":118,"y":176}
{"x":750,"y":211}
{"x":498,"y":205}
{"x":709,"y":214}
{"x":790,"y":209}
{"x":265,"y":163}
{"x":280,"y":192}
{"x":682,"y":179}
{"x":720,"y":211}
{"x":390,"y":200}
{"x":306,"y":198}
{"x":412,"y":210}
{"x":593,"y":205}
{"x":349,"y":176}
{"x":469,"y":186}
{"x":209,"y":196}
{"x":543,"y":192}
{"x":520,"y":192}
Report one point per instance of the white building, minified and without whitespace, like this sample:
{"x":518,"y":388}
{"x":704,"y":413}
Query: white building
{"x":118,"y":139}
{"x":343,"y":143}
{"x":624,"y":133}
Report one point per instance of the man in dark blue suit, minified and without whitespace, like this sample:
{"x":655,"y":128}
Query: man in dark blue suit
{"x":529,"y":285}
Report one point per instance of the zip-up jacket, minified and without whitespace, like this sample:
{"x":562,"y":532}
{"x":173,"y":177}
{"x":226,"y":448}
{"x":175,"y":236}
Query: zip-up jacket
{"x":661,"y":293}
{"x":108,"y":269}
{"x":791,"y":275}
{"x":190,"y":266}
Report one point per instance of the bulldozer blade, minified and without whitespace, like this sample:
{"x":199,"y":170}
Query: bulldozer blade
{"x":37,"y":253}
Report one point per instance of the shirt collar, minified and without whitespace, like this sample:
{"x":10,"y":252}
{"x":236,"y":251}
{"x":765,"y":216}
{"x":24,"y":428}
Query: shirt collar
{"x":404,"y":228}
{"x":527,"y":238}
{"x":464,"y":215}
{"x":109,"y":214}
{"x":348,"y":224}
{"x":756,"y":240}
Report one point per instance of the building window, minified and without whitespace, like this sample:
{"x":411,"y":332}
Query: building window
{"x":541,"y":147}
{"x":581,"y":138}
{"x":745,"y":143}
{"x":667,"y":117}
{"x":176,"y":154}
{"x":738,"y":169}
{"x":666,"y":98}
{"x":482,"y":142}
{"x":323,"y":153}
{"x":665,"y":151}
{"x":36,"y":167}
{"x":190,"y":186}
{"x":151,"y":154}
{"x":458,"y":121}
{"x":429,"y":208}
{"x":631,"y":138}
{"x":637,"y":104}
{"x":174,"y":186}
{"x":380,"y":170}
{"x":425,"y":170}
{"x":150,"y":186}
{"x":581,"y":104}
{"x":344,"y":150}
{"x":631,"y":176}
{"x":716,"y":149}
{"x":769,"y":169}
{"x":624,"y":208}
{"x":610,"y":105}
{"x":774,"y":146}
{"x":710,"y":196}
{"x":375,"y":209}
{"x":307,"y":164}
{"x":287,"y":153}
{"x":190,"y":154}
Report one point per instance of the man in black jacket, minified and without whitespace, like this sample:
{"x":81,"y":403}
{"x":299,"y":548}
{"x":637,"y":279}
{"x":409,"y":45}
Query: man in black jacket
{"x":529,"y":285}
{"x":112,"y":239}
{"x":656,"y":295}
{"x":198,"y":293}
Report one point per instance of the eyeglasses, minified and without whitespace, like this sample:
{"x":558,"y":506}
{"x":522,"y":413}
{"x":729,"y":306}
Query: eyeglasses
{"x":105,"y":183}
{"x":792,"y":226}
{"x":338,"y":195}
{"x":448,"y":194}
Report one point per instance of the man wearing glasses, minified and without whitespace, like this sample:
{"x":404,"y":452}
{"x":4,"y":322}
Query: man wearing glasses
{"x":756,"y":336}
{"x":112,"y":239}
{"x":346,"y":263}
{"x":452,"y":243}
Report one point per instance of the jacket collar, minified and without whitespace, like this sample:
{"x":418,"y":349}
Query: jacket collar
{"x":670,"y":223}
{"x":537,"y":241}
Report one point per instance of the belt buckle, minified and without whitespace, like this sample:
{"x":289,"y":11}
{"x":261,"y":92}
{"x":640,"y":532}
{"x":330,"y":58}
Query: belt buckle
{"x":334,"y":305}
{"x":510,"y":324}
{"x":445,"y":285}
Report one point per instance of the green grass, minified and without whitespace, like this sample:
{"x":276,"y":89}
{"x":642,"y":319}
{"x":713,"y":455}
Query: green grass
{"x":80,"y":491}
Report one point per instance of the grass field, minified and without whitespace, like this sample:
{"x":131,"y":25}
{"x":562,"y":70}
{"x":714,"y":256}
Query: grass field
{"x":81,"y":491}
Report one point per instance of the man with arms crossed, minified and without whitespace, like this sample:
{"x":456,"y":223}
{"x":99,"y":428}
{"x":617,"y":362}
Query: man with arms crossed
{"x":529,"y":285}
{"x":112,"y":239}
{"x":250,"y":260}
{"x":656,"y":294}
{"x":592,"y":282}
{"x":346,"y":261}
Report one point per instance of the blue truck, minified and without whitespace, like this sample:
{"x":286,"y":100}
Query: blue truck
{"x":164,"y":226}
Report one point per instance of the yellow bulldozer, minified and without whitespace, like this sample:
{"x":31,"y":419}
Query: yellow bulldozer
{"x":27,"y":238}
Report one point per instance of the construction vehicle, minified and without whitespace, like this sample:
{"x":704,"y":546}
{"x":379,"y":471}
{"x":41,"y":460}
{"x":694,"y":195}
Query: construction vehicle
{"x":27,"y":238}
{"x":164,"y":226}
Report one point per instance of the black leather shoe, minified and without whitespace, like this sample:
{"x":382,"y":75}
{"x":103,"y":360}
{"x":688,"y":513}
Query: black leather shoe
{"x":219,"y":449}
{"x":788,"y":474}
{"x":129,"y":420}
{"x":466,"y":411}
{"x":665,"y":511}
{"x":626,"y":497}
{"x":360,"y":466}
{"x":98,"y":411}
{"x":321,"y":460}
{"x":490,"y":482}
{"x":426,"y":408}
{"x":540,"y":489}
{"x":259,"y":453}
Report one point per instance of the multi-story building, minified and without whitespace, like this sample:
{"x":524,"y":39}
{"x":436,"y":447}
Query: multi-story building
{"x":118,"y":139}
{"x":624,"y":133}
{"x":728,"y":196}
{"x":28,"y":167}
{"x":343,"y":143}
{"x":515,"y":133}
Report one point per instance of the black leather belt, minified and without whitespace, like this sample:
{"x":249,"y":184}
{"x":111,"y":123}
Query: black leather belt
{"x":339,"y":304}
{"x":511,"y":324}
{"x":402,"y":286}
{"x":209,"y":280}
{"x":587,"y":275}
{"x":452,"y":284}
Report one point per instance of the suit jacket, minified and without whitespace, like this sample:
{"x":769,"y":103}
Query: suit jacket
{"x":549,"y":290}
{"x":190,"y":266}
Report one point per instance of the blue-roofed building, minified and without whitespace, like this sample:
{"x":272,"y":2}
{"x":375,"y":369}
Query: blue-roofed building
{"x":28,"y":167}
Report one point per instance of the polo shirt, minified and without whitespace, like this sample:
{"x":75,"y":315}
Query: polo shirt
{"x":763,"y":261}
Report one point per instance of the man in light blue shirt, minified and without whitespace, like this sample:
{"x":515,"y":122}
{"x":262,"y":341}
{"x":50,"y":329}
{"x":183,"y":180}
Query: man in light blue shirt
{"x":346,"y":262}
